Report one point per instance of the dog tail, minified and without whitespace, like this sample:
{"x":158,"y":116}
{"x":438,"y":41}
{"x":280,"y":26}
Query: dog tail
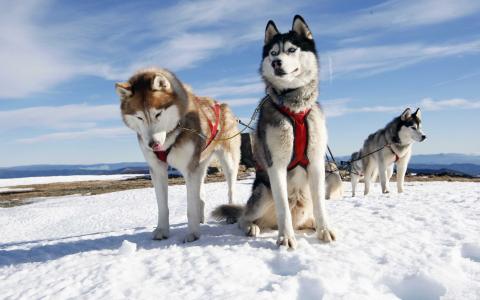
{"x":228,"y":212}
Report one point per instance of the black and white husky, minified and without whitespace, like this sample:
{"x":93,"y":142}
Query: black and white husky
{"x":394,"y":145}
{"x":289,"y":143}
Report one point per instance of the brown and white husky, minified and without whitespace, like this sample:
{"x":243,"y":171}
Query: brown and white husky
{"x":175,"y":127}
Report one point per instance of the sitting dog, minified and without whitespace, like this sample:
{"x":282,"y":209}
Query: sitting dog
{"x":290,"y":143}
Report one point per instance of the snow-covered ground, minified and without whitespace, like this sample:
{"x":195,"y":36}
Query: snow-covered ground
{"x":423,"y":244}
{"x":54,"y":179}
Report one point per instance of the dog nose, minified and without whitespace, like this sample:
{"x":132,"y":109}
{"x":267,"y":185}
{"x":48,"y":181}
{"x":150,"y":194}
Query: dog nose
{"x":423,"y":137}
{"x":276,"y":64}
{"x":151,"y":144}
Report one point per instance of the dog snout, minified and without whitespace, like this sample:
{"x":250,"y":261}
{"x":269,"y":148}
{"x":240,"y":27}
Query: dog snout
{"x":276,"y":64}
{"x":151,"y":144}
{"x":423,"y":137}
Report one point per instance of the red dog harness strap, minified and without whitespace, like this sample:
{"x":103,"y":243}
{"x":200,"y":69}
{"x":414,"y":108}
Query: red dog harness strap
{"x":300,"y":133}
{"x":213,"y":126}
{"x":162,"y":155}
{"x":395,"y":153}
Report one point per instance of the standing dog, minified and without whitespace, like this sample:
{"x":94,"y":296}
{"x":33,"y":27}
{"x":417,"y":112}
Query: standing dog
{"x":289,"y":143}
{"x":175,"y":127}
{"x":395,"y":143}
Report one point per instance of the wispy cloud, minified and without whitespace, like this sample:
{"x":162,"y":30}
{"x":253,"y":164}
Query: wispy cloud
{"x":455,"y":103}
{"x":109,"y":133}
{"x":41,"y":47}
{"x":340,"y":107}
{"x":399,"y":15}
{"x":233,"y":87}
{"x":58,"y":117}
{"x":367,"y":61}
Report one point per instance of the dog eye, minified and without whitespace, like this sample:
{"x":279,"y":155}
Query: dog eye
{"x":140,"y":118}
{"x":292,"y":50}
{"x":274,"y":53}
{"x":158,"y":115}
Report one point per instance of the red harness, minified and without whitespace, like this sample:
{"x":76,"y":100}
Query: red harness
{"x":300,"y":135}
{"x":395,"y":153}
{"x":162,"y":155}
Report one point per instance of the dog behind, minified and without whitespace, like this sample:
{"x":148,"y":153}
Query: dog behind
{"x":386,"y":147}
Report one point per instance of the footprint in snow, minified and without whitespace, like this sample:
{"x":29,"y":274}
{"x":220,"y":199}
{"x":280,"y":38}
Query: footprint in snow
{"x":471,"y":251}
{"x":417,"y":287}
{"x":286,"y":266}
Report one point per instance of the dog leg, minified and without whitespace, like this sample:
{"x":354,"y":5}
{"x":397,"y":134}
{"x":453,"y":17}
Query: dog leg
{"x":159,"y":175}
{"x":230,"y":169}
{"x":203,"y":167}
{"x":316,"y":177}
{"x":354,"y":180}
{"x":278,"y":181}
{"x":254,"y":210}
{"x":389,"y":173}
{"x":369,"y":172}
{"x":382,"y":172}
{"x":402,"y":165}
{"x":193,"y":182}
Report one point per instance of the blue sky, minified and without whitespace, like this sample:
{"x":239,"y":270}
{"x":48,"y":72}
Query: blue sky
{"x":60,"y":59}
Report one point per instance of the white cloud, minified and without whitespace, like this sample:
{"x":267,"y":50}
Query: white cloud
{"x":41,"y":47}
{"x":109,"y":133}
{"x":341,"y":107}
{"x":232,"y":89}
{"x":455,"y":103}
{"x":58,"y":117}
{"x":399,"y":15}
{"x":367,"y":61}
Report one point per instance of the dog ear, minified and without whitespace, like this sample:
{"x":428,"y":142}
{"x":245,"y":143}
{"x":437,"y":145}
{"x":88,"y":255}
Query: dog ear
{"x":418,"y":114}
{"x":270,"y":31}
{"x":123,"y":89}
{"x":300,"y":26}
{"x":407,"y":114}
{"x":161,"y":83}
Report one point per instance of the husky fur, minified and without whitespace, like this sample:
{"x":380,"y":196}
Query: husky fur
{"x":286,"y":199}
{"x":333,"y":182}
{"x":396,"y":138}
{"x":165,"y":114}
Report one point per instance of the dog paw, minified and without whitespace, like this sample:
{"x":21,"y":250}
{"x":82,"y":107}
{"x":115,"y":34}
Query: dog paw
{"x":161,"y":233}
{"x":326,"y":235}
{"x":287,"y":241}
{"x":253,"y":230}
{"x":386,"y":191}
{"x":191,"y":237}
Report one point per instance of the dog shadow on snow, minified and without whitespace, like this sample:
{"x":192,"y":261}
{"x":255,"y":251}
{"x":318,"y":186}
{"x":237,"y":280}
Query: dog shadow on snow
{"x":213,"y":234}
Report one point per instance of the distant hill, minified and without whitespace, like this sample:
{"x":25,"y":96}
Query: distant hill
{"x":63,"y":170}
{"x":455,"y":163}
{"x":450,"y":162}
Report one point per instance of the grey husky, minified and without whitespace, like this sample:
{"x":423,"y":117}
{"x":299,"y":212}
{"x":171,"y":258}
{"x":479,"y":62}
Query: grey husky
{"x":289,"y":143}
{"x":395,"y":144}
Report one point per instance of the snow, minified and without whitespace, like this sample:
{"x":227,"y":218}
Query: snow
{"x":422,"y":244}
{"x":15,"y":190}
{"x":55,"y":179}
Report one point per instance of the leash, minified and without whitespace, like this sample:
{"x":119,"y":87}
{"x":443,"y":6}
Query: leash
{"x":349,"y":162}
{"x":246,"y":126}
